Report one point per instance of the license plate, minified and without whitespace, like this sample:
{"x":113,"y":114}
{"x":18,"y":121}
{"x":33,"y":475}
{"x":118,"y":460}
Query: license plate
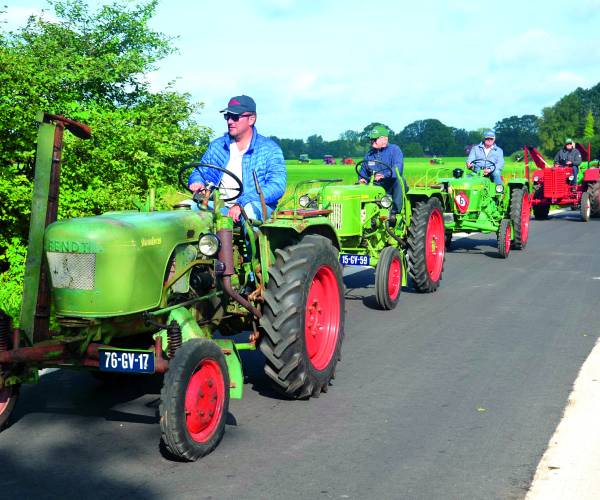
{"x":348,"y":259}
{"x":126,"y":360}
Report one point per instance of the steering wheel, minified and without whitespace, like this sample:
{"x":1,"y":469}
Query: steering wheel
{"x":385,"y":168}
{"x":488,"y":164}
{"x":209,"y":185}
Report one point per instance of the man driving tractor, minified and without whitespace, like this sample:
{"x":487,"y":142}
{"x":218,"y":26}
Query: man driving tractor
{"x":569,"y":156}
{"x":489,"y":156}
{"x":382,"y":153}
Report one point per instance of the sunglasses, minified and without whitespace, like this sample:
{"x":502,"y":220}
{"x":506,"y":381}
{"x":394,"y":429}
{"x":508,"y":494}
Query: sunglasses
{"x":235,"y":118}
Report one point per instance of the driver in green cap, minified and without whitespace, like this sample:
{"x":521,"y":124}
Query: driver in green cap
{"x":389,"y":154}
{"x":569,"y":156}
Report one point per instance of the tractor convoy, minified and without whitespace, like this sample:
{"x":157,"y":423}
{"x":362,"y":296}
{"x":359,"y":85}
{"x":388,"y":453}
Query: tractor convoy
{"x":182,"y":292}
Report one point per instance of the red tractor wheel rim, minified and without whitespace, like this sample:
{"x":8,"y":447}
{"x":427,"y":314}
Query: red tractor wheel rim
{"x":394,"y":278}
{"x":507,"y":239}
{"x":204,"y":400}
{"x":525,"y":215}
{"x":5,"y":396}
{"x":322,"y":317}
{"x":434,"y":245}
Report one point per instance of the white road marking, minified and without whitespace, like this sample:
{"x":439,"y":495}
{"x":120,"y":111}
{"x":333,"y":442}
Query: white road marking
{"x":570,"y":467}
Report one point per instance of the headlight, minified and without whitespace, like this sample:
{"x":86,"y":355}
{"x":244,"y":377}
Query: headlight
{"x":305,"y":201}
{"x":536,"y":178}
{"x":499,"y":188}
{"x":209,"y":245}
{"x":386,"y":202}
{"x":571,"y":177}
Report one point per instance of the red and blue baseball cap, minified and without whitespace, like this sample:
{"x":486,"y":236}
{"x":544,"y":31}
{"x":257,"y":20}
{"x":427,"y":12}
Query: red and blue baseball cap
{"x":240,"y":104}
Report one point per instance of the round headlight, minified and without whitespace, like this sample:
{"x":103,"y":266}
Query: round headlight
{"x":536,"y":178}
{"x":304,"y":201}
{"x":209,"y":245}
{"x":571,"y":177}
{"x":386,"y":202}
{"x":499,"y":188}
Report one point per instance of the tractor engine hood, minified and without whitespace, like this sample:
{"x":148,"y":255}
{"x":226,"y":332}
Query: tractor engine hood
{"x":115,"y":263}
{"x":467,"y":192}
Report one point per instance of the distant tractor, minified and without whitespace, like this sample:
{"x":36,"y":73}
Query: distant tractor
{"x":552,"y":186}
{"x":348,"y":161}
{"x":436,"y":161}
{"x":329,"y":160}
{"x":476,"y":205}
{"x":303,"y":158}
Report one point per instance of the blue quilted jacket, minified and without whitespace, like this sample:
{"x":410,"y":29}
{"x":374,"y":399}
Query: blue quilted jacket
{"x":264,"y":157}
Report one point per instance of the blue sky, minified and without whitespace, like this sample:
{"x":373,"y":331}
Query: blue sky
{"x":332,"y":65}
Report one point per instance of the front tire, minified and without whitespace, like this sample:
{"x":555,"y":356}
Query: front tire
{"x":194,"y":400}
{"x":504,"y":238}
{"x":520,"y":211}
{"x":594,"y":193}
{"x":585,"y":208}
{"x":303,"y":318}
{"x":388,"y":278}
{"x":426,"y":247}
{"x":8,"y":401}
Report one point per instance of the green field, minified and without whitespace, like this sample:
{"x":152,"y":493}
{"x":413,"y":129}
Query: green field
{"x":416,"y":170}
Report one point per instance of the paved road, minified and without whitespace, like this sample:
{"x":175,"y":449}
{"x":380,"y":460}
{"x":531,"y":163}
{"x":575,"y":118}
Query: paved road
{"x":451,"y":395}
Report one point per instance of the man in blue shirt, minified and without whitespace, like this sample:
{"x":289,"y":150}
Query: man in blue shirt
{"x":389,"y":154}
{"x":243,"y":152}
{"x":489,"y":156}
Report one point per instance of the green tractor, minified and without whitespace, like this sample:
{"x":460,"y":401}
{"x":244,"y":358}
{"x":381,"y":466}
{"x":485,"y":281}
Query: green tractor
{"x":474,"y":204}
{"x":163,"y":292}
{"x":412,"y":244}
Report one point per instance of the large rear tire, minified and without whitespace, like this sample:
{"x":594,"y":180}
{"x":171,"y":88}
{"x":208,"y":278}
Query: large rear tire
{"x":520,"y":212}
{"x":594,"y":192}
{"x":194,"y":400}
{"x":388,"y":278}
{"x":504,"y":238}
{"x":303,"y":318}
{"x":585,"y":208}
{"x":426,"y":247}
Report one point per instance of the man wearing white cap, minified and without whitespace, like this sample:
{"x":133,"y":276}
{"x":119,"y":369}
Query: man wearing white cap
{"x":489,"y":156}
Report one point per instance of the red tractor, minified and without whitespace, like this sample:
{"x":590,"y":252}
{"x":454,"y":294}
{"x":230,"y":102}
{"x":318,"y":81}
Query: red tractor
{"x":552,"y":185}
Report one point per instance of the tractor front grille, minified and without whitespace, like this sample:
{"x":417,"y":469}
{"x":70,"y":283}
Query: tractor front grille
{"x":555,"y":183}
{"x":336,"y":215}
{"x":72,"y":270}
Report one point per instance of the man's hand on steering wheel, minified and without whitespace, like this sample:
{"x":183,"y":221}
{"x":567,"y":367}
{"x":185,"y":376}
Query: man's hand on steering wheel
{"x":234,"y":212}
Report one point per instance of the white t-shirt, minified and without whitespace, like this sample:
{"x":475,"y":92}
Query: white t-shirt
{"x":487,"y":150}
{"x":228,"y":186}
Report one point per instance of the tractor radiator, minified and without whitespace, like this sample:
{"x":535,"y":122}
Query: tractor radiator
{"x":72,"y":270}
{"x":336,"y":215}
{"x":556,"y":183}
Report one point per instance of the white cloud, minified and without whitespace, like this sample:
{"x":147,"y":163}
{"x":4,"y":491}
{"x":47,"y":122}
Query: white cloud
{"x":17,"y":17}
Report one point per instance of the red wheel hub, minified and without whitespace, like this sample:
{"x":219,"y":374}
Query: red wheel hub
{"x":434,"y":245}
{"x":525,"y":216}
{"x":507,"y":238}
{"x":5,"y":396}
{"x":394,"y":278}
{"x":204,"y":400}
{"x":322,"y":317}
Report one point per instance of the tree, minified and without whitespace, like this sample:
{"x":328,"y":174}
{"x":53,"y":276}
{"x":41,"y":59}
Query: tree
{"x":89,"y":66}
{"x":588,"y":127}
{"x":514,"y":132}
{"x":435,"y":137}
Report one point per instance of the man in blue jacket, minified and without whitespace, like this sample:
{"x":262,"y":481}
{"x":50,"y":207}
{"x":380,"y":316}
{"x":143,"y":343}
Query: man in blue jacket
{"x":389,"y":154}
{"x":489,"y":156}
{"x":242,"y":151}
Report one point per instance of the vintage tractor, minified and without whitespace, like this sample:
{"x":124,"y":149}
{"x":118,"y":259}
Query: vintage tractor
{"x":476,"y":205}
{"x":304,"y":158}
{"x":329,"y":160}
{"x":552,"y":186}
{"x":368,"y":235}
{"x":146,"y":292}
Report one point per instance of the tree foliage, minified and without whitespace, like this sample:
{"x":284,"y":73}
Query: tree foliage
{"x":514,"y":132}
{"x":89,"y":66}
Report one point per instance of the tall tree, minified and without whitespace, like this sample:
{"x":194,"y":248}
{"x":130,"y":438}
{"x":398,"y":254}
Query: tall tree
{"x":514,"y":132}
{"x":588,"y":127}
